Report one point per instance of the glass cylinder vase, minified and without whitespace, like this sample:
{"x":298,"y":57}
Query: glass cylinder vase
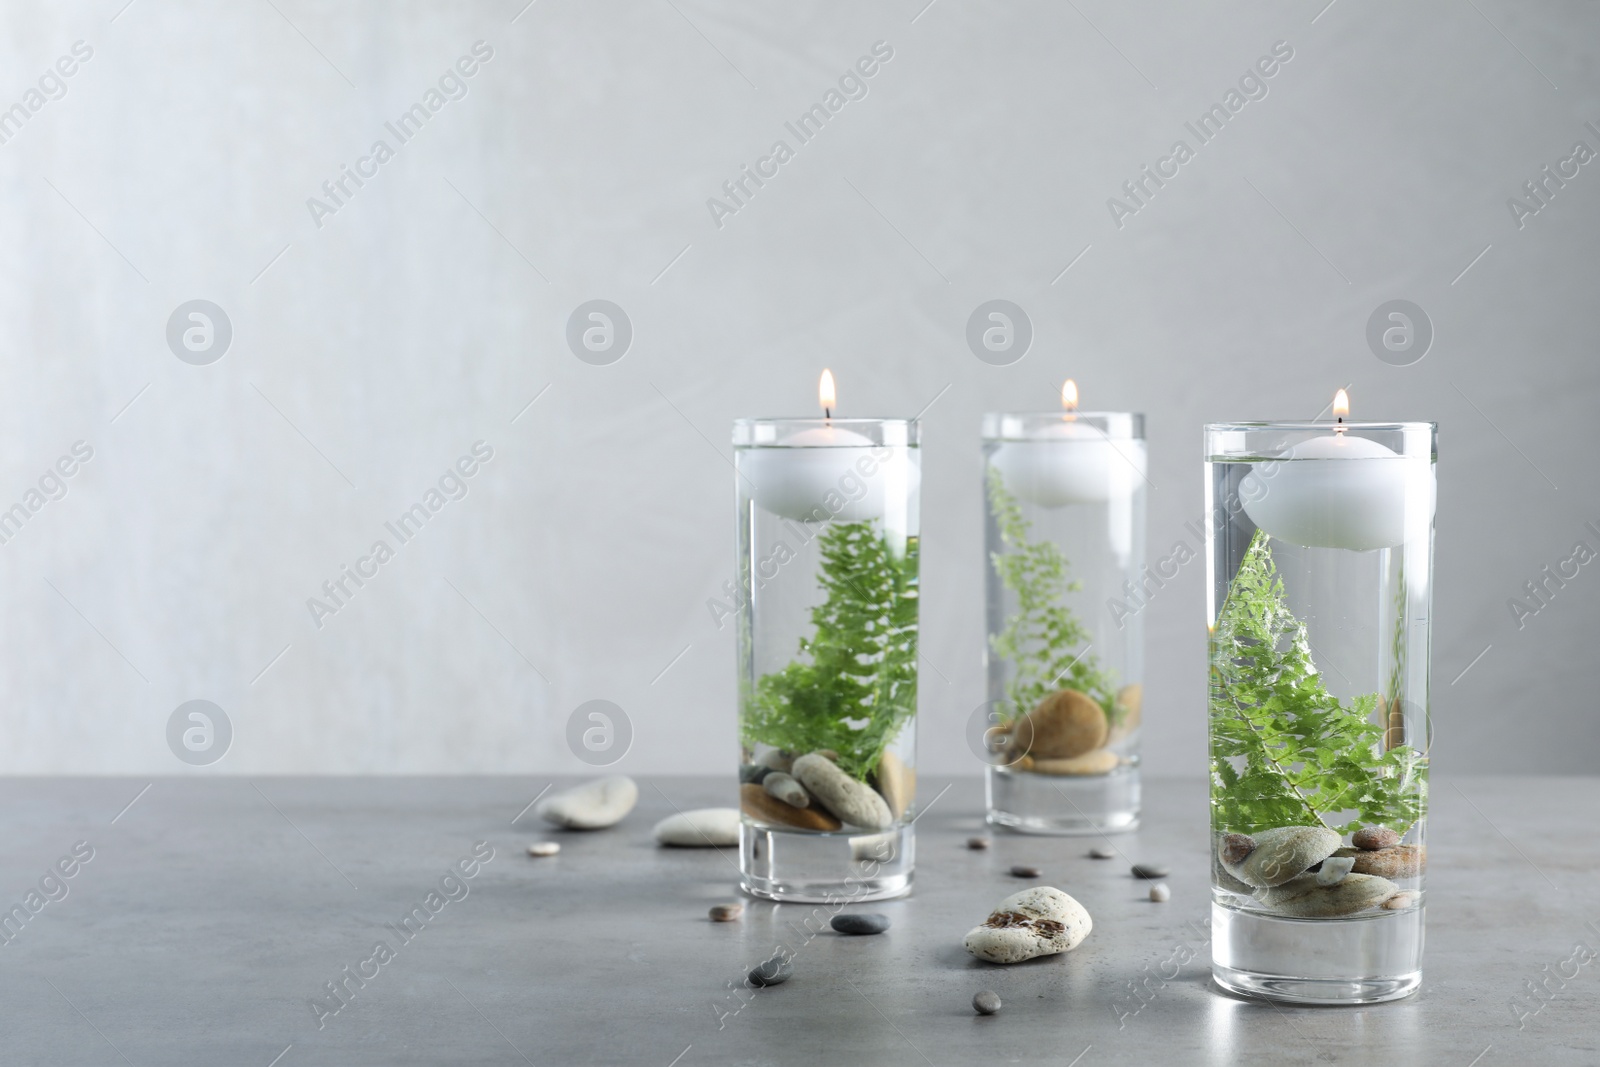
{"x":1320,"y":577}
{"x":827,"y":635}
{"x":1064,"y":539}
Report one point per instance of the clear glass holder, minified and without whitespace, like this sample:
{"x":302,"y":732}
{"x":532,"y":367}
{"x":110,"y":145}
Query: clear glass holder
{"x":1320,"y":582}
{"x":826,"y":868}
{"x":1065,"y":589}
{"x":1030,"y":803}
{"x":826,"y":606}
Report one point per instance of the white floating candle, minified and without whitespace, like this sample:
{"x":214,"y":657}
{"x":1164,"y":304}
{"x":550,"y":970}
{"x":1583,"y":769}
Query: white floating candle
{"x":1075,"y":464}
{"x":1334,"y":491}
{"x":829,"y":472}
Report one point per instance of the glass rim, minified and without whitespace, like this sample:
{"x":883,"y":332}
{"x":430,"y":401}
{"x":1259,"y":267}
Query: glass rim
{"x":1081,"y":413}
{"x":1023,"y":425}
{"x":855,"y":420}
{"x":1321,"y":424}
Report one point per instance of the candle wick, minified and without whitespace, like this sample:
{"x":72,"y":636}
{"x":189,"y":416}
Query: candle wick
{"x":827,"y":414}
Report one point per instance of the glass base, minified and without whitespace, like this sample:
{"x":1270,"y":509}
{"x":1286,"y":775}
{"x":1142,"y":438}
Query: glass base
{"x":1364,"y":959}
{"x":826,"y":868}
{"x":1064,"y":804}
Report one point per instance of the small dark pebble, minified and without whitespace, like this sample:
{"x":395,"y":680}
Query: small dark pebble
{"x":1101,"y":853}
{"x":753,"y":773}
{"x":1150,"y":870}
{"x":1022,"y":870}
{"x":977,"y":843}
{"x":726,"y":913}
{"x":986,"y":1003}
{"x":861,"y":923}
{"x":775,"y":971}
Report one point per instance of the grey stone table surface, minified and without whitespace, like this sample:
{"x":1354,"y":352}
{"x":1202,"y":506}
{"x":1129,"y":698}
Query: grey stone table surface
{"x":200,"y":921}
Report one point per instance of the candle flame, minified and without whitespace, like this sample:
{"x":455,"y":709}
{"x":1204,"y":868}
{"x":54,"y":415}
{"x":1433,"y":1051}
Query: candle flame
{"x":826,"y":395}
{"x":1341,"y":405}
{"x":1069,"y":395}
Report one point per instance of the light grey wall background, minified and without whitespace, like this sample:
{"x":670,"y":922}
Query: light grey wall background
{"x":370,"y":352}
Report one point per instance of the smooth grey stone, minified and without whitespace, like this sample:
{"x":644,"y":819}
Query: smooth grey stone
{"x":594,"y":805}
{"x":1150,"y":870}
{"x":785,"y":788}
{"x":986,"y":1003}
{"x":777,"y":759}
{"x":753,"y":773}
{"x":851,"y":802}
{"x":775,"y":971}
{"x":1023,"y":870}
{"x":1221,"y":877}
{"x":977,"y":843}
{"x":1305,"y":898}
{"x":700,"y":828}
{"x":1099,"y":852}
{"x":726,"y":913}
{"x":1282,"y":853}
{"x":860,"y":923}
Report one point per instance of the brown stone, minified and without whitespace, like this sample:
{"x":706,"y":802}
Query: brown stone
{"x":1100,"y":761}
{"x":1400,"y":861}
{"x":896,"y":783}
{"x":757,"y":803}
{"x":1373,"y":838}
{"x":1129,"y":701}
{"x":1066,"y":723}
{"x":1235,"y":847}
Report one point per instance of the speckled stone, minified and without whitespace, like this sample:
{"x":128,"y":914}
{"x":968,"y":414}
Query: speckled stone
{"x":1035,"y":922}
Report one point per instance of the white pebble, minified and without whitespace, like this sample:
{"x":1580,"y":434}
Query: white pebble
{"x":1160,"y":893}
{"x":1334,"y":869}
{"x":1402,"y":901}
{"x":543,"y":848}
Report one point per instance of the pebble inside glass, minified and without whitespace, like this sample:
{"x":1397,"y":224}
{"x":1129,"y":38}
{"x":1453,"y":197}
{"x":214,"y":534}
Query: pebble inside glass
{"x":828,"y":546}
{"x":1320,"y":582}
{"x":1064,"y":543}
